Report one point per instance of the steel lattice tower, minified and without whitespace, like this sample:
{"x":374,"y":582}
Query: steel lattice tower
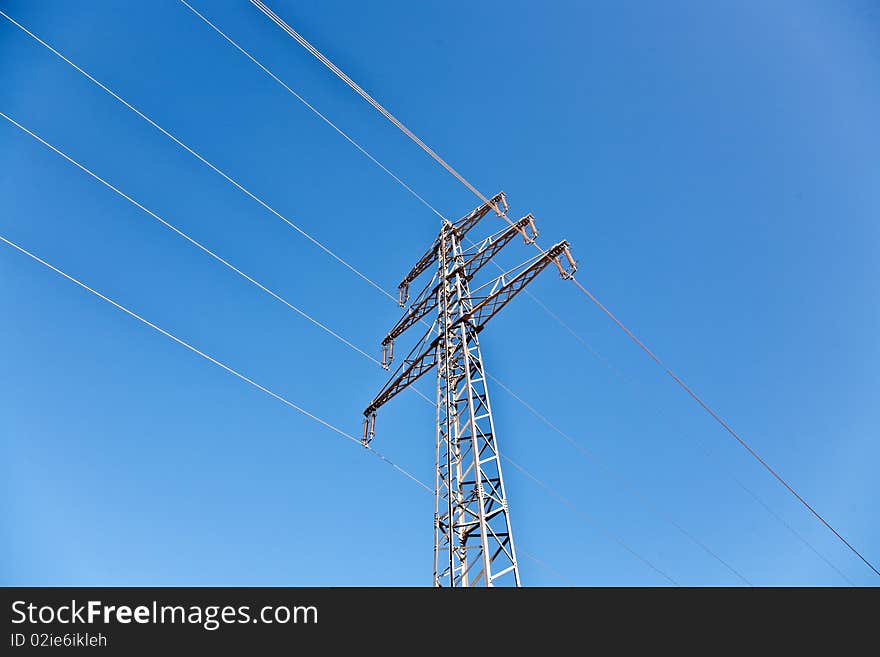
{"x":473,"y":541}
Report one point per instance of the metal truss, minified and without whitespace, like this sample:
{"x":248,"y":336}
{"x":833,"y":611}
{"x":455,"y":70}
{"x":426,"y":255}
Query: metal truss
{"x":473,"y":542}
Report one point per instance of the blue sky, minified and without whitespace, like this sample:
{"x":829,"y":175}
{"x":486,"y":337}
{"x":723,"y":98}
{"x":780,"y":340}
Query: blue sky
{"x":715,"y":169}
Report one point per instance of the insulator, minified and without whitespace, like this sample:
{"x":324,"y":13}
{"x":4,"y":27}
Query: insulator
{"x":562,"y":273}
{"x":566,"y":274}
{"x":572,"y":265}
{"x":387,"y":353}
{"x":365,"y":439}
{"x":502,"y":203}
{"x":402,"y":294}
{"x":529,"y":231}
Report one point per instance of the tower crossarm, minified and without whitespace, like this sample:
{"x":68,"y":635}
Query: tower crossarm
{"x":427,"y":301}
{"x":493,"y":245}
{"x":498,"y":203}
{"x":411,"y":370}
{"x":481,"y":312}
{"x":504,"y":291}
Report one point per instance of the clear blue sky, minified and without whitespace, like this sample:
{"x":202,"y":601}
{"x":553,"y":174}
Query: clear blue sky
{"x":714,"y":165}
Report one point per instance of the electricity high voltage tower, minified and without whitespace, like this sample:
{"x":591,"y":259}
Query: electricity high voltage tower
{"x":473,"y":541}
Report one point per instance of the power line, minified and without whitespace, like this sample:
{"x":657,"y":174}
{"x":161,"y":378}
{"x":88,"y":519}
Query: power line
{"x":216,"y":362}
{"x":372,"y":101}
{"x":592,"y":521}
{"x":192,"y":241}
{"x":329,"y":122}
{"x":546,"y":566}
{"x":244,"y":378}
{"x":314,"y":110}
{"x":351,"y":141}
{"x":565,"y":501}
{"x":771,"y":470}
{"x":629,"y":486}
{"x":577,"y":336}
{"x":606,"y":532}
{"x":534,"y":298}
{"x":660,"y":412}
{"x":195,"y":154}
{"x":239,"y":186}
{"x":216,"y":169}
{"x":348,"y":138}
{"x":791,"y":529}
{"x":588,"y":519}
{"x":235,"y":183}
{"x":351,"y":83}
{"x":265,"y":205}
{"x":140,"y":206}
{"x":345,"y":136}
{"x":358,"y":146}
{"x":213,"y":255}
{"x":228,"y":178}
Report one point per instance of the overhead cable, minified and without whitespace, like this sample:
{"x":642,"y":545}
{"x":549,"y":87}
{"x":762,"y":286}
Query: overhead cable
{"x":216,"y":362}
{"x":244,"y":378}
{"x":712,"y":413}
{"x":192,"y":241}
{"x":264,"y":204}
{"x":197,"y":155}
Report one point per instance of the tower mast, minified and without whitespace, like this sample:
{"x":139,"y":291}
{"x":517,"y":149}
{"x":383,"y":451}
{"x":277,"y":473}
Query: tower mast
{"x":473,"y":540}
